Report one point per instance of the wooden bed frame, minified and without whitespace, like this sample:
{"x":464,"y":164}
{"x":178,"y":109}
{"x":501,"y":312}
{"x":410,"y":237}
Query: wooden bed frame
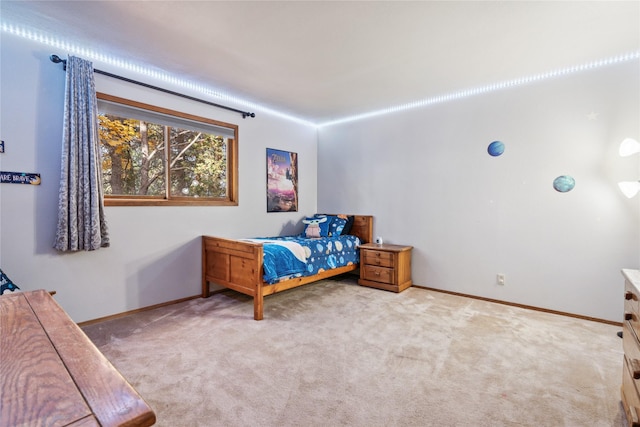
{"x":237,"y":265}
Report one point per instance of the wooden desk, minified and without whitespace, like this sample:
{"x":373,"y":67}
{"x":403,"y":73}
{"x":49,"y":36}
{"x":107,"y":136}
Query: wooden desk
{"x":52,"y":374}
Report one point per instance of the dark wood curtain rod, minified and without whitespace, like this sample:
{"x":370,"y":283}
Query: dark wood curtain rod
{"x":56,"y":59}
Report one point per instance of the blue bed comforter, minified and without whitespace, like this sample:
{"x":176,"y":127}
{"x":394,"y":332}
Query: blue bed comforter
{"x":286,"y":257}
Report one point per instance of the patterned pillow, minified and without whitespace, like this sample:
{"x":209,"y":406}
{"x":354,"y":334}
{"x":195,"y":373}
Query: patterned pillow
{"x":6,"y":284}
{"x":338,"y":224}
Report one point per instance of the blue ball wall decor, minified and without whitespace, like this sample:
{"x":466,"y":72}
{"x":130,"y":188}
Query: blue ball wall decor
{"x":564,"y":183}
{"x":496,"y":148}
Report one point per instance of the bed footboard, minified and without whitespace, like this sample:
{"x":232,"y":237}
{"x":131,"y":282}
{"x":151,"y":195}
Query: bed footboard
{"x":233,"y":264}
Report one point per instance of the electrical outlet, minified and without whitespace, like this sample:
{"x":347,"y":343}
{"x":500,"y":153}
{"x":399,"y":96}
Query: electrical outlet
{"x":500,"y":279}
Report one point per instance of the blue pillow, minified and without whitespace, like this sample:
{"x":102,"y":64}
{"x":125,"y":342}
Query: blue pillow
{"x":336,"y":226}
{"x":337,"y":223}
{"x":349,"y":226}
{"x":6,"y":284}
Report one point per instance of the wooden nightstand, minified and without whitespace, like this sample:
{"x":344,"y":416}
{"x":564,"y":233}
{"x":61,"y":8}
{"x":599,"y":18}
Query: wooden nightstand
{"x":385,"y":266}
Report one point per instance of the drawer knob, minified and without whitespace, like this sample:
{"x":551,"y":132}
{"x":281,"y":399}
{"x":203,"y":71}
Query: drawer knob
{"x":635,"y":368}
{"x":628,"y":295}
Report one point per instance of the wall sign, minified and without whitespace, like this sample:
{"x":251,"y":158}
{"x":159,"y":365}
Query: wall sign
{"x":19,"y":178}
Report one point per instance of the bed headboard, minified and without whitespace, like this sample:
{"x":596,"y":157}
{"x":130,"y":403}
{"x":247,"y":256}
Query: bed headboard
{"x":362,"y":227}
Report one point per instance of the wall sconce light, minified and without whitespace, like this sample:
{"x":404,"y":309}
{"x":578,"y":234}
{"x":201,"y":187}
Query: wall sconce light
{"x":629,"y":188}
{"x":628,"y":147}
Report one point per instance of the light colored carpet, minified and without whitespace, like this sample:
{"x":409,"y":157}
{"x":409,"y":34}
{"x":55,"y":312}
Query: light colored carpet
{"x":337,"y":354}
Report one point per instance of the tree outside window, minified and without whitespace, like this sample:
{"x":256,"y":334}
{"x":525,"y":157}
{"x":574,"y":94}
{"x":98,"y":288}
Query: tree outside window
{"x":154,"y":156}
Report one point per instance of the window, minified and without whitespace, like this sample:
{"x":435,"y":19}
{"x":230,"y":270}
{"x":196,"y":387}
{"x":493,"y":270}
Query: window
{"x":155,"y":156}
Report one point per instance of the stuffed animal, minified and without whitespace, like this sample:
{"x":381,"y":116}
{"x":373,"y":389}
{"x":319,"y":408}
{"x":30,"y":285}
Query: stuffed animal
{"x":313,"y":226}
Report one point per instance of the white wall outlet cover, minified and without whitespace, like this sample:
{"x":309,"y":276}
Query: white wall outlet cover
{"x":379,"y":240}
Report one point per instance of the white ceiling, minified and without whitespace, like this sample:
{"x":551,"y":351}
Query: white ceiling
{"x":324,"y":60}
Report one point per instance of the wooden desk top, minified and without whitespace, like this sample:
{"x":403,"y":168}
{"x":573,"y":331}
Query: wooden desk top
{"x":52,"y":374}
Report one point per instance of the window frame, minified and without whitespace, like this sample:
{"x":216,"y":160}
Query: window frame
{"x":232,"y":162}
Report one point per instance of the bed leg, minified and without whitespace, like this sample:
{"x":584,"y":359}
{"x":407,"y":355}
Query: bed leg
{"x":258,"y":306}
{"x":205,"y":289}
{"x":205,"y":282}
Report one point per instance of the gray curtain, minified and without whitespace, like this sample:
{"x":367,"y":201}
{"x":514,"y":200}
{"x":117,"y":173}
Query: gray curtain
{"x":81,"y":222}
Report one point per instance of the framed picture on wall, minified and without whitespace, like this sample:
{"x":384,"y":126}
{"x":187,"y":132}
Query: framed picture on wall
{"x":282,"y":181}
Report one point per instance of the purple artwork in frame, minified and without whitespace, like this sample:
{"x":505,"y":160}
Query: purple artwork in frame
{"x":282,"y":181}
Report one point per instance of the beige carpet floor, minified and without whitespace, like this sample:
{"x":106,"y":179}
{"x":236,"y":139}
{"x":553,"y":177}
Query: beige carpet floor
{"x":337,"y":354}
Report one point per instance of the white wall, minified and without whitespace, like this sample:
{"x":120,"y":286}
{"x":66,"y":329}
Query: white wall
{"x":155,"y":251}
{"x":424,"y":174}
{"x":427,"y":178}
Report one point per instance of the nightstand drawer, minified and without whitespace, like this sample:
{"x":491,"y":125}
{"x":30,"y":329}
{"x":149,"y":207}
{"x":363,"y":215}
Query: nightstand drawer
{"x":378,"y":274}
{"x":632,"y":321}
{"x":631,"y":348}
{"x":631,"y":402}
{"x":630,"y":299}
{"x":384,"y":259}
